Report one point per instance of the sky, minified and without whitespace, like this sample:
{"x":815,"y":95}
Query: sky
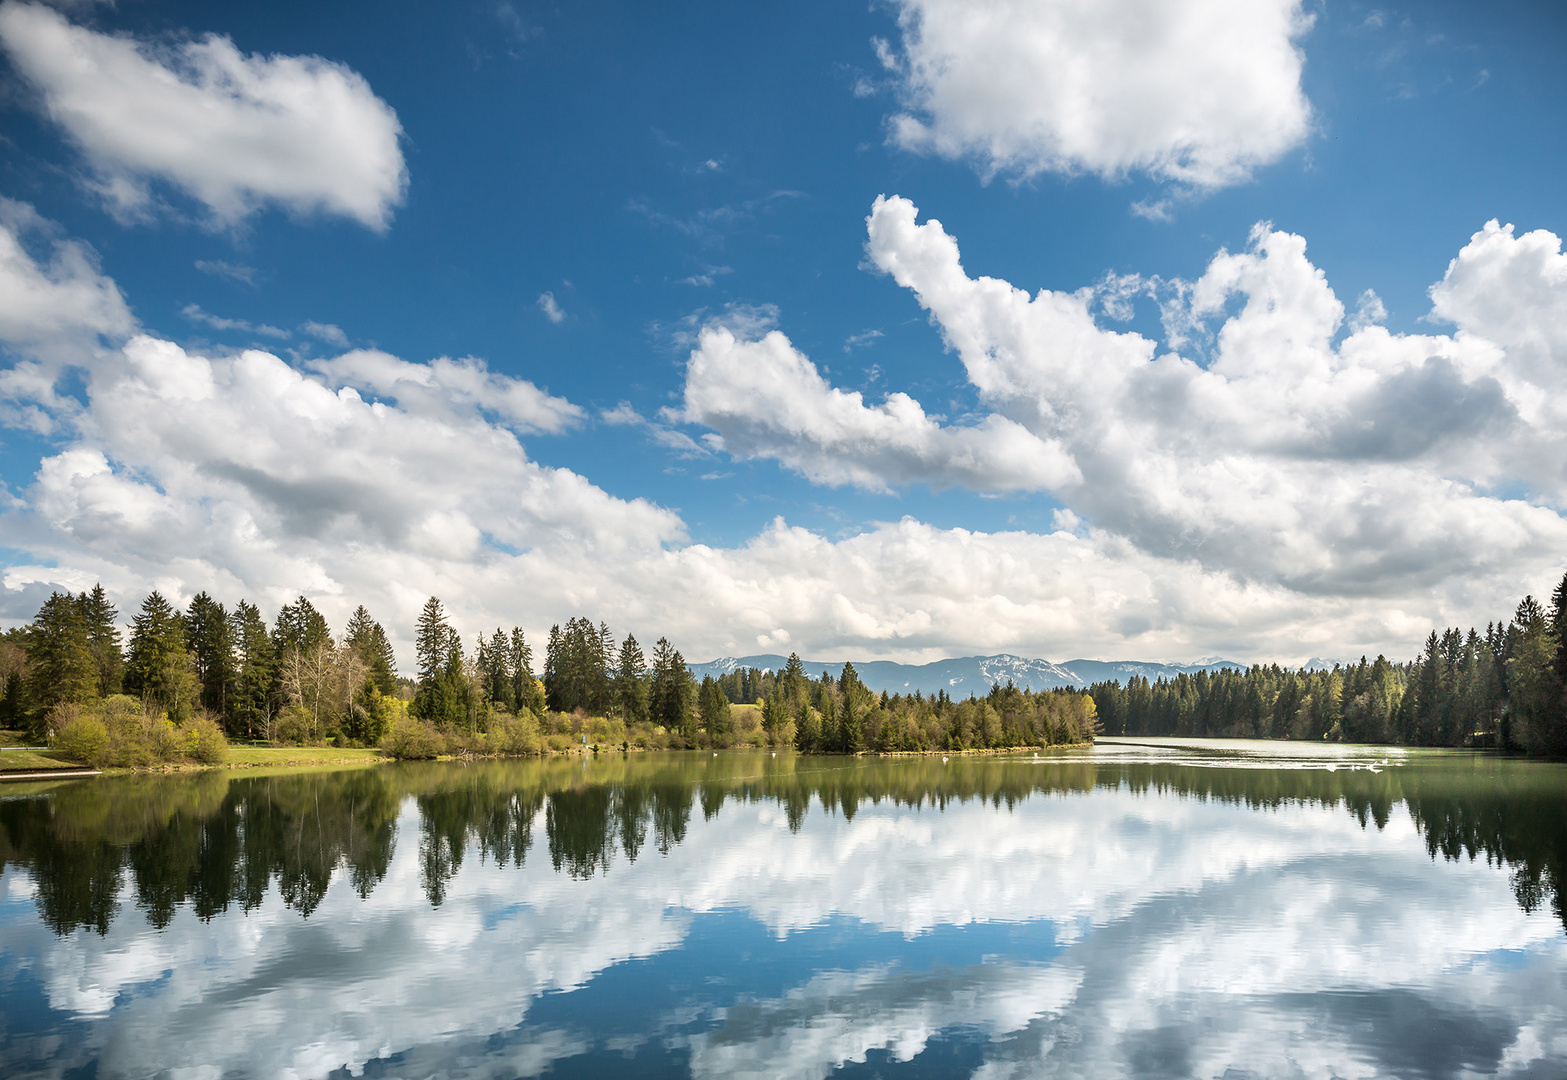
{"x":1112,"y":329}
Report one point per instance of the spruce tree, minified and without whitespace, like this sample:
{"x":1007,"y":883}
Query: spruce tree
{"x":255,"y":673}
{"x":158,"y":667}
{"x":300,"y":630}
{"x":368,"y":640}
{"x":432,"y":640}
{"x":631,"y":691}
{"x":525,"y":688}
{"x":60,"y":665}
{"x":669,"y":691}
{"x":103,"y":639}
{"x":210,"y":642}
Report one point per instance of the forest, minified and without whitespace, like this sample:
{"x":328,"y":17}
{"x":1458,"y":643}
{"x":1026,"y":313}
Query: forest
{"x":1503,"y":689}
{"x":185,"y":683}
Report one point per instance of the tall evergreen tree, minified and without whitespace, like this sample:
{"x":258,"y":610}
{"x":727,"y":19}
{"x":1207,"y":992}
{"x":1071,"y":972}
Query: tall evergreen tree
{"x":433,"y":637}
{"x":1533,"y":690}
{"x":713,"y":707}
{"x":576,"y":668}
{"x":369,"y":641}
{"x":631,"y":693}
{"x":210,"y":641}
{"x":526,"y":691}
{"x":103,"y":639}
{"x":60,"y":665}
{"x":300,"y":629}
{"x":255,"y":671}
{"x":669,"y":691}
{"x":158,"y":667}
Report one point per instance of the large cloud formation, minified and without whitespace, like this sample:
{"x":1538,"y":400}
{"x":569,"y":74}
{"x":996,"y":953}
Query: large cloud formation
{"x":233,"y":131}
{"x":1199,"y":92}
{"x":1297,"y":493}
{"x":1287,"y":449}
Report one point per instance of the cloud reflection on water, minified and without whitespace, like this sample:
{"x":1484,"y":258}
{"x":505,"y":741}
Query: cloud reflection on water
{"x":1186,"y":936}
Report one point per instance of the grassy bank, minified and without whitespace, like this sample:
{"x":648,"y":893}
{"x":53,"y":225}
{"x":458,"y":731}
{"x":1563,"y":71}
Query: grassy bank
{"x":35,"y":761}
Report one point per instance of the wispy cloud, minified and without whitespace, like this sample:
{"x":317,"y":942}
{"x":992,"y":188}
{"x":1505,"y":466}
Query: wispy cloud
{"x":330,"y":333}
{"x":552,"y":310}
{"x":195,"y":314}
{"x":707,"y":277}
{"x":245,"y":275}
{"x":860,"y":340}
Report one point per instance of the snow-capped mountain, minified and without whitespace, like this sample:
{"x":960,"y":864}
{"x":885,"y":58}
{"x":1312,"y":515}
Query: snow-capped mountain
{"x":965,"y":675}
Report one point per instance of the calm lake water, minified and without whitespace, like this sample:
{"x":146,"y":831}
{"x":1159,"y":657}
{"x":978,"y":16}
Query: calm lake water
{"x":1159,"y":908}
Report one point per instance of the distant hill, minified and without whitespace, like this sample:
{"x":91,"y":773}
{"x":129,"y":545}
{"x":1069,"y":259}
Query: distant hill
{"x":966,"y":675}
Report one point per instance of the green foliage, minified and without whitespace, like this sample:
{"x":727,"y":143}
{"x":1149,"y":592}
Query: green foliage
{"x":717,"y":719}
{"x":577,"y":667}
{"x":82,"y":737}
{"x":122,"y":732}
{"x":631,"y":688}
{"x":513,"y":735}
{"x":670,"y":697}
{"x":103,"y":639}
{"x":159,"y":668}
{"x":412,"y":738}
{"x":201,"y":739}
{"x":434,"y":640}
{"x":1505,"y":688}
{"x":369,"y":642}
{"x":299,"y":628}
{"x":209,"y":638}
{"x":256,"y":672}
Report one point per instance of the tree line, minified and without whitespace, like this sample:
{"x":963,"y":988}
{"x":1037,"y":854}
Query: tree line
{"x":1505,"y":689}
{"x":294,"y":681}
{"x":291,"y":681}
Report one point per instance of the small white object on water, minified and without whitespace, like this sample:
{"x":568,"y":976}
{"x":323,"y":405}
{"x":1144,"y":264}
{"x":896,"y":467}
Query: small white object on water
{"x":943,"y":759}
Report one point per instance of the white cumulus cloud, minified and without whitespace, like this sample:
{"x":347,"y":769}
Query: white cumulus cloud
{"x":235,"y":132}
{"x":1200,"y":92}
{"x":1209,"y":511}
{"x":1291,"y":456}
{"x":766,"y":399}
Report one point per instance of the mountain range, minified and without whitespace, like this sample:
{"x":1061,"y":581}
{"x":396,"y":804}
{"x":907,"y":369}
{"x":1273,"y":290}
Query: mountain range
{"x":964,"y":675}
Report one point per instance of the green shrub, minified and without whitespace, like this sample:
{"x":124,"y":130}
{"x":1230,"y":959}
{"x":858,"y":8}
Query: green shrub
{"x":513,"y":735}
{"x":412,"y":739}
{"x":294,"y":727}
{"x":202,"y":740}
{"x":83,"y":738}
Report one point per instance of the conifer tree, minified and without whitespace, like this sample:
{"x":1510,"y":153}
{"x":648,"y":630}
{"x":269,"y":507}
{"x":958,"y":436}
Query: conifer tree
{"x":526,"y":691}
{"x":60,"y":665}
{"x":432,"y":640}
{"x":713,"y":706}
{"x":300,"y":629}
{"x":255,"y":671}
{"x":368,"y":640}
{"x":669,"y":691}
{"x":103,"y":639}
{"x":210,"y":642}
{"x":158,"y":667}
{"x":631,"y":691}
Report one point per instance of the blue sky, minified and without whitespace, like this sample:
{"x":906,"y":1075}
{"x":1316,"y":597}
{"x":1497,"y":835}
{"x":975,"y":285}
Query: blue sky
{"x":353,"y":188}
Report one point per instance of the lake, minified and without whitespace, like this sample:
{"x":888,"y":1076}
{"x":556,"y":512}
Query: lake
{"x":1151,"y":908}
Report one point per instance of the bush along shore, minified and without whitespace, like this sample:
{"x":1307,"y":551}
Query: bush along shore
{"x":187,"y":683}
